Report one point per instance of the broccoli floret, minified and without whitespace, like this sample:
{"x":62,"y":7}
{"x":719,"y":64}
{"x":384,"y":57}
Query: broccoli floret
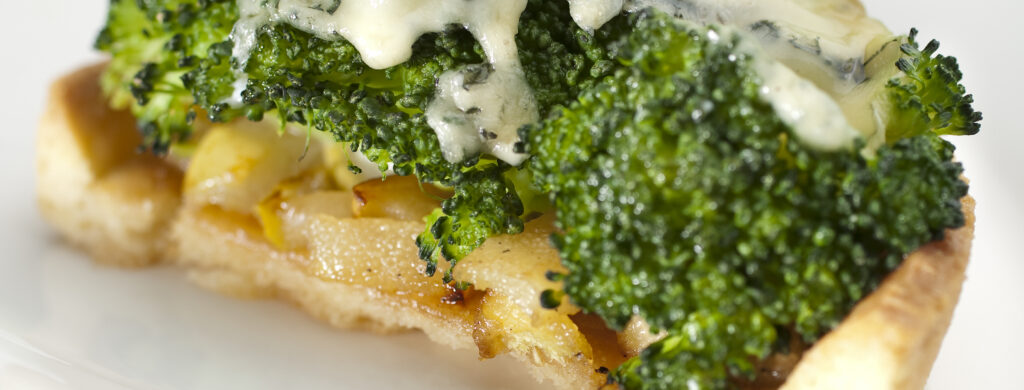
{"x":926,"y":94}
{"x":683,"y":199}
{"x":154,"y":43}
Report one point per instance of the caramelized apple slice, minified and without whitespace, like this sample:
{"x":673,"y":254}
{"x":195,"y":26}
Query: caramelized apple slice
{"x":400,"y":198}
{"x":236,"y":166}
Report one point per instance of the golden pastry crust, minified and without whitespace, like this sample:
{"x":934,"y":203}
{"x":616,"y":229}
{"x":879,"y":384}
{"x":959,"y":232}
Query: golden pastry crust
{"x":891,"y":338}
{"x":126,"y":209}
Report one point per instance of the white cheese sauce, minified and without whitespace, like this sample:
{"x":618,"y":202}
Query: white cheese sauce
{"x":592,"y":14}
{"x":815,"y":118}
{"x":479,"y":109}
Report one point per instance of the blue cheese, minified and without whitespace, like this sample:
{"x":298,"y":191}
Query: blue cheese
{"x":479,"y":109}
{"x":815,"y":118}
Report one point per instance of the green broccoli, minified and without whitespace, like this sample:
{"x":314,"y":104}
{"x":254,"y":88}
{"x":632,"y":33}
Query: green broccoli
{"x":686,"y":201}
{"x":926,"y":94}
{"x":680,"y":195}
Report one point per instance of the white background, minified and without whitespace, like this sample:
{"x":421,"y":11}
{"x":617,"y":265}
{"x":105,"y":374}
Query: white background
{"x":65,"y":323}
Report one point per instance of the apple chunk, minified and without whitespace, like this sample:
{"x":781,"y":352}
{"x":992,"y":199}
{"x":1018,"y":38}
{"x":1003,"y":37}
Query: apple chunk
{"x":400,"y":198}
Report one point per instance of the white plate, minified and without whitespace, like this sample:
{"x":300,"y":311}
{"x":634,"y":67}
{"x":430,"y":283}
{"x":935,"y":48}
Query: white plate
{"x":67,"y":324}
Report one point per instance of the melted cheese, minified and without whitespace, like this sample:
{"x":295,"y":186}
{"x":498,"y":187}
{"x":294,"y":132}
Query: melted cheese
{"x":815,"y":118}
{"x":479,"y":109}
{"x":592,"y":14}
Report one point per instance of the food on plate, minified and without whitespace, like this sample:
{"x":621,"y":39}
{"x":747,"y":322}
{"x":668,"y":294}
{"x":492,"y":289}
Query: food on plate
{"x":639,"y":194}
